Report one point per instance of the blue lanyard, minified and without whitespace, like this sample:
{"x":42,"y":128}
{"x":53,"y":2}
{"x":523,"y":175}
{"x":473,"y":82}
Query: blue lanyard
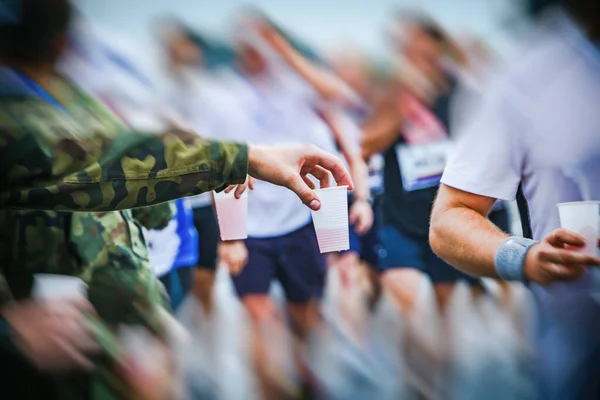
{"x":40,"y":91}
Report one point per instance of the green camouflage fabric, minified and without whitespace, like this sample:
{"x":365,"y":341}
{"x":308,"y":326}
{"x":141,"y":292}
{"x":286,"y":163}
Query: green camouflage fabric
{"x":77,"y":160}
{"x":108,"y":251}
{"x":83,"y":159}
{"x":157,"y":216}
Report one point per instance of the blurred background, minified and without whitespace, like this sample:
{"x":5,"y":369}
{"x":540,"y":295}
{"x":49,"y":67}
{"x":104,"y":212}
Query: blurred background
{"x":321,"y":26}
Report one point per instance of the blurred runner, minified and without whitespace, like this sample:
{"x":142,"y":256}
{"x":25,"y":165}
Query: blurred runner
{"x":536,"y":139}
{"x":411,"y":127}
{"x":193,"y":88}
{"x":62,"y":150}
{"x":356,"y":72}
{"x":177,"y":247}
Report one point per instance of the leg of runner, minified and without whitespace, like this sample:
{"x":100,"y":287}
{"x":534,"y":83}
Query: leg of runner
{"x":252,"y":284}
{"x":301,"y":270}
{"x":405,"y":260}
{"x":208,"y":237}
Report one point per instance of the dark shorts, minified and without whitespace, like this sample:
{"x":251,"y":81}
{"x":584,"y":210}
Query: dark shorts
{"x":368,"y":245}
{"x":402,"y":251}
{"x":208,"y":236}
{"x":293,"y":259}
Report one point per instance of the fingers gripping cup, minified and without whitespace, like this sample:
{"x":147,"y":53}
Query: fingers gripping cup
{"x":56,"y":287}
{"x":331,"y":221}
{"x":582,"y":217}
{"x":232,"y":215}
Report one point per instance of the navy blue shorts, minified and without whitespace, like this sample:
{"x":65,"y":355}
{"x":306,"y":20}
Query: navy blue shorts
{"x":205,"y":222}
{"x":402,"y":251}
{"x":293,"y":259}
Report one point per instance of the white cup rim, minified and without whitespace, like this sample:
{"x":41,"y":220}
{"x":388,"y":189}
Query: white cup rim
{"x":332,"y":188}
{"x":572,"y":203}
{"x":58,"y":277}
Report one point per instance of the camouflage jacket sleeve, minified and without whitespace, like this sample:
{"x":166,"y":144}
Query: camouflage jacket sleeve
{"x":155,"y":217}
{"x":48,"y":163}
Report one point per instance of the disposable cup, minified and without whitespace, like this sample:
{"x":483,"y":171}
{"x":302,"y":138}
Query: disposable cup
{"x":232,"y":215}
{"x":331,"y":221}
{"x":582,"y":217}
{"x":55,"y":287}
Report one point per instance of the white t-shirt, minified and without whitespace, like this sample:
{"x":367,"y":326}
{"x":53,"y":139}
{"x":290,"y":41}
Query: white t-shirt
{"x":193,"y":98}
{"x":275,"y":110}
{"x":163,"y":247}
{"x":541,"y":127}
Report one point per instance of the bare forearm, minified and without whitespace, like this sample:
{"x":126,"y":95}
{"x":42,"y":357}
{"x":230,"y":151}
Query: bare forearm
{"x":465,"y":239}
{"x":326,"y":84}
{"x":360,"y":177}
{"x":381,"y":130}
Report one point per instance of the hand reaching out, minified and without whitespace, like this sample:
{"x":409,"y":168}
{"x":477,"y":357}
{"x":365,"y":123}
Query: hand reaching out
{"x":556,"y":258}
{"x":290,"y":167}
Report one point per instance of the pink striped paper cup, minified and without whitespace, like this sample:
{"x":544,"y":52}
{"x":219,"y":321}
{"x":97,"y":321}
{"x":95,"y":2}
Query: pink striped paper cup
{"x":331,"y":221}
{"x":232,"y":215}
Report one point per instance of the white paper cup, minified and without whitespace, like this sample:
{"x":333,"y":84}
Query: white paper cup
{"x":232,"y":215}
{"x":582,"y":217}
{"x":58,"y":287}
{"x":331,"y":221}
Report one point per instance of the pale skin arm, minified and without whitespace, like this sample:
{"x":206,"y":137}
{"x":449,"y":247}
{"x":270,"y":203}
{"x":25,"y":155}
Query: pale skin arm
{"x":380,"y":131}
{"x":329,"y":86}
{"x":358,"y":168}
{"x":462,"y":235}
{"x":361,"y":213}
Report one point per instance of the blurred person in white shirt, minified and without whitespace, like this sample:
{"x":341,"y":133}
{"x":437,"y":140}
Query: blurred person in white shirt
{"x":270,"y":97}
{"x":535,"y":138}
{"x":192,"y":86}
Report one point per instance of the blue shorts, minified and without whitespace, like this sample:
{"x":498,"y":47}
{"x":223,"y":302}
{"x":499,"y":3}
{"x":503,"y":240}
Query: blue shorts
{"x":402,"y":251}
{"x":293,"y":259}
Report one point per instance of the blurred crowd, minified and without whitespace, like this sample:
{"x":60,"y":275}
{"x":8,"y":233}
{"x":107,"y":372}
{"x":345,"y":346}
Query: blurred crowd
{"x":182,"y":314}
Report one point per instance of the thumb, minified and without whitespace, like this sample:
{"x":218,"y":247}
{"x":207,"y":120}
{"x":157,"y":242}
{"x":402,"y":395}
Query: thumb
{"x":306,"y":194}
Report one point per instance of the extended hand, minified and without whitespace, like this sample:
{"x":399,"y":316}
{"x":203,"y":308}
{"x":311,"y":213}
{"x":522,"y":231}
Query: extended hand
{"x":289,"y":167}
{"x":556,"y":258}
{"x":361,"y":216}
{"x":53,"y":334}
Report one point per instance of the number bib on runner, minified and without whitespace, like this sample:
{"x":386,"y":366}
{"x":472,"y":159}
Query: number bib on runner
{"x":421,"y":166}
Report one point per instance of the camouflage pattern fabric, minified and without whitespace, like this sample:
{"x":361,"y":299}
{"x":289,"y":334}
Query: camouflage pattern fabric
{"x":81,"y":158}
{"x":155,"y":217}
{"x":78,"y":160}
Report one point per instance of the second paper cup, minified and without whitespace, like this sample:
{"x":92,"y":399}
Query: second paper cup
{"x":582,"y":217}
{"x":331,"y":221}
{"x":232,"y":215}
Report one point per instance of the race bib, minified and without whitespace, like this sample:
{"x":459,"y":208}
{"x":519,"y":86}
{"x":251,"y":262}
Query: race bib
{"x":421,"y":166}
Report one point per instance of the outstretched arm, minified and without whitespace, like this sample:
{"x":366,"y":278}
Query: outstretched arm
{"x":329,"y":86}
{"x":462,"y":235}
{"x":381,"y":130}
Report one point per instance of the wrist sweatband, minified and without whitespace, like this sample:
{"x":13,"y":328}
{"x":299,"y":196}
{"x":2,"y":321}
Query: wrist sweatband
{"x":510,"y":258}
